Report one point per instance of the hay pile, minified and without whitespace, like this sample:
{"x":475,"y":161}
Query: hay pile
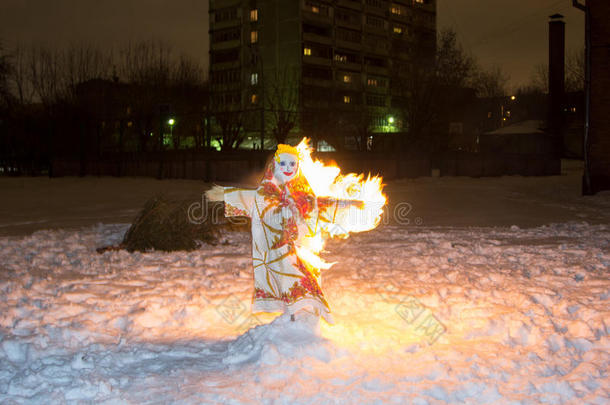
{"x":167,"y":225}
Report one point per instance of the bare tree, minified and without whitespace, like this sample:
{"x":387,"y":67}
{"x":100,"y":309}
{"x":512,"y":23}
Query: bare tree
{"x":20,"y":76}
{"x":575,"y":71}
{"x":231,"y":125}
{"x":147,"y":67}
{"x":454,"y":67}
{"x":186,"y":73}
{"x":540,"y":78}
{"x":428,"y":93}
{"x":490,"y":83}
{"x":189,"y":97}
{"x":82,"y":63}
{"x":44,"y":67}
{"x":360,"y":121}
{"x":5,"y":72}
{"x":415,"y":91}
{"x":145,"y":62}
{"x":281,"y":102}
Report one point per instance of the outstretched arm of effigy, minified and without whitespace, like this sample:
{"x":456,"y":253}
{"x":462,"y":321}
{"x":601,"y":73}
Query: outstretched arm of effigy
{"x":239,"y":202}
{"x":216,"y":193}
{"x":339,"y":203}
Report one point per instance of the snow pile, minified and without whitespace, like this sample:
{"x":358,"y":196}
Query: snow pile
{"x":424,"y":315}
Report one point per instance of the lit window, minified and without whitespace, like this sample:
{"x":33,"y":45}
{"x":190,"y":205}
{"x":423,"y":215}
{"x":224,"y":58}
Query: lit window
{"x":315,"y":9}
{"x":347,"y":79}
{"x":396,"y":10}
{"x":253,"y":36}
{"x":254,"y":79}
{"x":307,"y":51}
{"x":254,"y":15}
{"x":254,"y":98}
{"x":420,"y":1}
{"x":347,"y":99}
{"x":372,"y":82}
{"x":340,"y":58}
{"x":397,"y":30}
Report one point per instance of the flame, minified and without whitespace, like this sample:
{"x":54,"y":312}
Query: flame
{"x":362,"y":202}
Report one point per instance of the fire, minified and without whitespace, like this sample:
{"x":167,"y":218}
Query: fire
{"x":361,"y":200}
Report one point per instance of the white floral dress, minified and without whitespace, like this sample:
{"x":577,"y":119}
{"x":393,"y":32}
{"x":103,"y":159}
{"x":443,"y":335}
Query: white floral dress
{"x":283,"y":217}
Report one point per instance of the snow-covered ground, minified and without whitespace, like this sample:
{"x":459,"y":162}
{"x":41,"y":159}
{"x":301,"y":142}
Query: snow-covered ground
{"x":478,"y":291}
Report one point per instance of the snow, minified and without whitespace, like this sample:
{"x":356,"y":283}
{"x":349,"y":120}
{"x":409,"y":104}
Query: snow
{"x":500,"y":298}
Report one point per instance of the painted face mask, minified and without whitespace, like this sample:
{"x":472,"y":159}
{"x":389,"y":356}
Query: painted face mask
{"x":286,"y":167}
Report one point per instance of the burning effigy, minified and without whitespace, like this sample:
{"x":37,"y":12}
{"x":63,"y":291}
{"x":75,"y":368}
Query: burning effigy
{"x":297,"y":206}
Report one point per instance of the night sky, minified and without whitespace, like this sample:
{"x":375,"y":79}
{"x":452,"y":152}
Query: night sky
{"x":509,"y":34}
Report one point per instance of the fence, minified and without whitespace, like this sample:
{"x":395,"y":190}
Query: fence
{"x":246,"y":166}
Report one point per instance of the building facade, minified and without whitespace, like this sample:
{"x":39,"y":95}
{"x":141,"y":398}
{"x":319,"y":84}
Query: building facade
{"x":598,"y":143}
{"x":324,"y":69}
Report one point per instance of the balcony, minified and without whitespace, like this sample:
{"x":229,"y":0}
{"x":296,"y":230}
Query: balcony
{"x":355,"y":46}
{"x":320,"y":39}
{"x":353,"y":106}
{"x":225,"y":87}
{"x":423,"y":20}
{"x":401,"y":56}
{"x":376,"y":45}
{"x":225,"y":65}
{"x":315,"y":104}
{"x":354,"y":67}
{"x":375,"y":30}
{"x":354,"y":85}
{"x":219,"y":46}
{"x":349,"y":86}
{"x":402,"y":18}
{"x":313,"y":81}
{"x":353,"y":4}
{"x":215,"y":4}
{"x":376,"y":90}
{"x":314,"y":60}
{"x":349,"y":24}
{"x":376,"y":50}
{"x":308,"y":15}
{"x":236,"y":22}
{"x":429,"y":8}
{"x":376,"y":70}
{"x":378,"y":11}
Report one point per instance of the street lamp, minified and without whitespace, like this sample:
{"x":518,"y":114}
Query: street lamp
{"x":389,"y":124}
{"x":171,"y":123}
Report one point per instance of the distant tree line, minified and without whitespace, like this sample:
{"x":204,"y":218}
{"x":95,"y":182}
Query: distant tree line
{"x":84,"y":101}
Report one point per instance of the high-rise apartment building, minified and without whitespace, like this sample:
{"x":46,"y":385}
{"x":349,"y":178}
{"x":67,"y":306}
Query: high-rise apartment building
{"x":328,"y":66}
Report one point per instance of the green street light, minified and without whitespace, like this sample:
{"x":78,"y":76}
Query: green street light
{"x":171,"y":123}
